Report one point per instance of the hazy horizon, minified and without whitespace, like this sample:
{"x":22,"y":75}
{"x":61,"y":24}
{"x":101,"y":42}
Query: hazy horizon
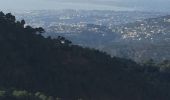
{"x":128,"y":5}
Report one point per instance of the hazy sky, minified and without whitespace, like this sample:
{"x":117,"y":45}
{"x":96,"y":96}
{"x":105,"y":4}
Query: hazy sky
{"x":156,"y":5}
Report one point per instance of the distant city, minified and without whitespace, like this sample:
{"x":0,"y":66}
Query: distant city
{"x":111,"y":31}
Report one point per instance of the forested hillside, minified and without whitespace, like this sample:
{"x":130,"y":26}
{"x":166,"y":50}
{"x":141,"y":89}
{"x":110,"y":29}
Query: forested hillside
{"x":57,"y":68}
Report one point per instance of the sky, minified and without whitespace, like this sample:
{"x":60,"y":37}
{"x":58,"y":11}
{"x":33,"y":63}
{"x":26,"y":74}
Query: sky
{"x":147,"y":5}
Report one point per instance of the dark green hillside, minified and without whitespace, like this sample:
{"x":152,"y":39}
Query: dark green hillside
{"x":28,"y":61}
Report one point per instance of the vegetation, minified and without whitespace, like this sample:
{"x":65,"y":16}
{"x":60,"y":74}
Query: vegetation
{"x":13,"y":94}
{"x":56,"y":67}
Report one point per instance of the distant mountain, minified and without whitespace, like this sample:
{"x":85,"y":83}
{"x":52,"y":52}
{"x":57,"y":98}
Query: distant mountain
{"x":139,"y":51}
